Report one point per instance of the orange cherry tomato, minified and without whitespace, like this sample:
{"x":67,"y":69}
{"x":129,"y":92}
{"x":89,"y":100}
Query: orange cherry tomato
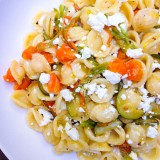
{"x":8,"y":77}
{"x":65,"y":54}
{"x":25,"y":83}
{"x":27,"y":53}
{"x":122,"y":55}
{"x":54,"y":84}
{"x":134,"y":70}
{"x":118,"y":66}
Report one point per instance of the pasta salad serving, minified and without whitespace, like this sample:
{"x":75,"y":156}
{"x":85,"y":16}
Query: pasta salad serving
{"x":89,"y":77}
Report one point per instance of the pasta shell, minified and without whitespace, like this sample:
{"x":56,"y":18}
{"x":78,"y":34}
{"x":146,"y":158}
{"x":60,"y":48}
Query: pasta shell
{"x":145,"y":19}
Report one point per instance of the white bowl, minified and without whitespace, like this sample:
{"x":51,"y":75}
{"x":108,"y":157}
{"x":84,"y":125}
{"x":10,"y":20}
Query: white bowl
{"x":18,"y":141}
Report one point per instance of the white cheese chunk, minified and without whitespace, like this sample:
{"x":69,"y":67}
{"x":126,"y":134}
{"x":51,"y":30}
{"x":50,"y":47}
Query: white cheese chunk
{"x":98,"y":21}
{"x":152,"y":132}
{"x":78,"y":89}
{"x":133,"y":155}
{"x":155,"y":65}
{"x":44,"y":78}
{"x":56,"y":41}
{"x":86,"y":53}
{"x":67,"y":95}
{"x":123,"y":97}
{"x":116,"y":19}
{"x":103,"y":47}
{"x":47,"y":116}
{"x":72,"y":132}
{"x":112,"y":77}
{"x":127,"y":83}
{"x":91,"y":88}
{"x":134,"y":53}
{"x":101,"y":92}
{"x":109,"y":110}
{"x":81,"y":109}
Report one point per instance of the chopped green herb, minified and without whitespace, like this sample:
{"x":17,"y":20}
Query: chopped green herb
{"x":93,"y":61}
{"x":127,"y":158}
{"x":122,"y":39}
{"x":88,"y":123}
{"x":157,"y":56}
{"x":149,"y":121}
{"x":101,"y":130}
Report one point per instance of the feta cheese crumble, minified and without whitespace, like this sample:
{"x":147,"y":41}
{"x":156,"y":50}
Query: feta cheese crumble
{"x":135,"y":53}
{"x":56,"y":41}
{"x":104,"y":48}
{"x":112,"y":77}
{"x":44,"y":78}
{"x":99,"y":90}
{"x":123,"y":97}
{"x":67,"y":95}
{"x":97,"y":21}
{"x":152,"y":132}
{"x":86,"y":53}
{"x":47,"y":116}
{"x":127,"y":83}
{"x":109,"y":110}
{"x":133,"y":155}
{"x":81,"y":109}
{"x":116,"y":19}
{"x":155,"y":65}
{"x":71,"y":132}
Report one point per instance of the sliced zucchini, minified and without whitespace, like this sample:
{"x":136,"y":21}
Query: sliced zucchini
{"x":73,"y":106}
{"x":149,"y":121}
{"x":88,"y":123}
{"x":128,"y":107}
{"x":101,"y":130}
{"x":42,"y":89}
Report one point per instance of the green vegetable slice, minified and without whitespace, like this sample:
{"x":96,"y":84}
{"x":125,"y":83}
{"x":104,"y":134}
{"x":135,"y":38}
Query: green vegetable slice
{"x":157,"y":56}
{"x":149,"y":121}
{"x":88,"y":123}
{"x":101,"y":130}
{"x":42,"y":89}
{"x":128,"y":108}
{"x":73,"y":106}
{"x":122,"y":39}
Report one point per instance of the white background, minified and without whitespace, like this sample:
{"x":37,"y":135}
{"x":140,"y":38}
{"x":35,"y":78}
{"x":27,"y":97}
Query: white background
{"x":18,"y":141}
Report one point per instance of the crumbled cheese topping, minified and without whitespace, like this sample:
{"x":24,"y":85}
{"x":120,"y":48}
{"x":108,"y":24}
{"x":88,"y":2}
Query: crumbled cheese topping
{"x":91,"y":88}
{"x":54,"y":66}
{"x":51,"y":95}
{"x":47,"y":116}
{"x":117,"y":150}
{"x":152,"y":132}
{"x":123,"y":97}
{"x":86,"y":53}
{"x":67,"y":95}
{"x":44,"y":78}
{"x":155,"y":65}
{"x":71,"y":132}
{"x":116,"y":19}
{"x":135,"y":53}
{"x":103,"y":47}
{"x":84,"y":38}
{"x":97,"y":21}
{"x":99,"y":90}
{"x":112,"y":77}
{"x":109,"y":110}
{"x":127,"y":83}
{"x":81,"y":109}
{"x":78,"y":89}
{"x":129,"y":141}
{"x":133,"y":155}
{"x":56,"y":41}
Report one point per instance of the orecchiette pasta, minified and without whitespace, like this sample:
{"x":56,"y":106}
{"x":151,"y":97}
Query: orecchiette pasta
{"x":89,"y":77}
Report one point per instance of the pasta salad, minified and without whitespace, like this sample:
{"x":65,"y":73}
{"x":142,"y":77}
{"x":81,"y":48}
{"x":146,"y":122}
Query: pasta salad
{"x":89,"y":77}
